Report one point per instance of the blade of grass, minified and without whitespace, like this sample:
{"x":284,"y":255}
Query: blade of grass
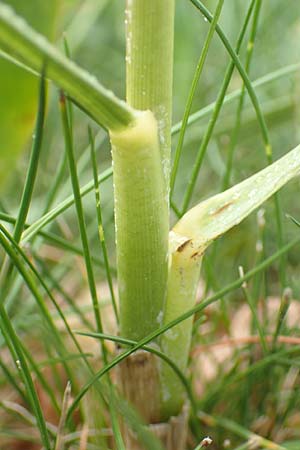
{"x":42,"y":380}
{"x":219,"y":103}
{"x":252,"y":306}
{"x":283,"y":309}
{"x":59,"y":443}
{"x":235,"y":132}
{"x":11,"y":378}
{"x":85,"y":245}
{"x":57,"y":285}
{"x":192,"y":91}
{"x":57,"y":241}
{"x":61,"y":207}
{"x":100,"y":224}
{"x":260,"y":118}
{"x":6,"y":268}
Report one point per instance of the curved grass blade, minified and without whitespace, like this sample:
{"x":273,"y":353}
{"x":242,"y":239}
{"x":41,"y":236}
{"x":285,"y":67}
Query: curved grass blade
{"x":218,"y":104}
{"x":235,"y":132}
{"x":86,"y":251}
{"x":192,"y":91}
{"x":5,"y":274}
{"x":61,"y":207}
{"x":244,"y":76}
{"x":100,"y":225}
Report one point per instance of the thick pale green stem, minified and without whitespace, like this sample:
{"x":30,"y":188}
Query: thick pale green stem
{"x":149,"y":65}
{"x":141,"y":158}
{"x":141,"y":221}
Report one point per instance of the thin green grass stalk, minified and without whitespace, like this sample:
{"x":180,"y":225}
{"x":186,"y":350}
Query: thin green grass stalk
{"x":80,"y":214}
{"x":59,"y":444}
{"x":212,"y":281}
{"x":215,"y":114}
{"x":42,"y":380}
{"x":11,"y":378}
{"x":192,"y":91}
{"x":283,"y":309}
{"x":244,"y":76}
{"x":13,"y":344}
{"x":100,"y":225}
{"x":234,"y":135}
{"x":34,"y":228}
{"x":86,"y":250}
{"x":58,"y":287}
{"x":69,"y":104}
{"x":260,"y":253}
{"x":235,"y":132}
{"x":6,"y":269}
{"x":33,"y":163}
{"x":82,"y":22}
{"x":252,"y":307}
{"x":17,"y":38}
{"x":19,"y":411}
{"x":244,"y":446}
{"x":196,"y":309}
{"x":56,"y":240}
{"x":58,"y":178}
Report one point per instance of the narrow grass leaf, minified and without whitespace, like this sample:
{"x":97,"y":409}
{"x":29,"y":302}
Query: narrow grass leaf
{"x":192,"y":91}
{"x":100,"y":224}
{"x":215,"y":114}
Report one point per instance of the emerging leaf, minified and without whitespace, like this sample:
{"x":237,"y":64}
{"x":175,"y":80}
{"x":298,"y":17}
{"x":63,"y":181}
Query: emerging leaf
{"x":216,"y":215}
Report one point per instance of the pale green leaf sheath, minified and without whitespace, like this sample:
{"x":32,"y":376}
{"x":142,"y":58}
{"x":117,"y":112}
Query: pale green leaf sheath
{"x":140,"y":213}
{"x":188,"y":241}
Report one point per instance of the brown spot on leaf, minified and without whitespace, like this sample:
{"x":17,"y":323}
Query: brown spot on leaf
{"x":222,"y":208}
{"x":182,"y":246}
{"x":197,"y":254}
